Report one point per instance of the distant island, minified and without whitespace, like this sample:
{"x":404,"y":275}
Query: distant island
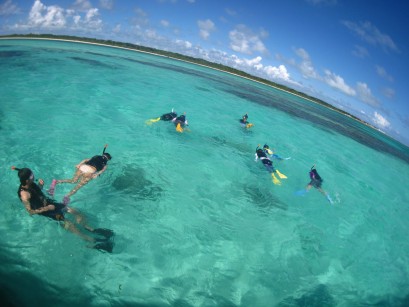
{"x":184,"y":58}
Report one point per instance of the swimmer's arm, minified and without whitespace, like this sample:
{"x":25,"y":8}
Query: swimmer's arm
{"x":100,"y":172}
{"x":25,"y":198}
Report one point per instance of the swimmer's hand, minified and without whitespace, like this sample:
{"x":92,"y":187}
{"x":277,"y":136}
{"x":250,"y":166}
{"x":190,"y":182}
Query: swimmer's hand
{"x":41,"y":182}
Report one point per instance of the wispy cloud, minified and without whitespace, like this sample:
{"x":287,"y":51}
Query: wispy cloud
{"x":82,"y":5}
{"x":106,"y":4}
{"x":382,"y":73}
{"x":244,"y":40}
{"x":337,"y":82}
{"x":322,"y":2}
{"x":360,"y":52}
{"x":8,"y":8}
{"x":388,"y":92}
{"x":141,"y":17}
{"x":205,"y":27}
{"x":165,"y":23}
{"x":230,"y":12}
{"x":365,"y":95}
{"x":306,"y":67}
{"x":370,"y":34}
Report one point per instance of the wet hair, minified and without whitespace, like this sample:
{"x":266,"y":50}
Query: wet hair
{"x":245,"y":116}
{"x":23,"y":173}
{"x":266,"y":146}
{"x":109,"y":157}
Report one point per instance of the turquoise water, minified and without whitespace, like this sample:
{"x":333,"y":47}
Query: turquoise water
{"x":197,"y":221}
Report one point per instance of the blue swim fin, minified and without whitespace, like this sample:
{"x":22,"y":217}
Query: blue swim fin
{"x":330,"y":199}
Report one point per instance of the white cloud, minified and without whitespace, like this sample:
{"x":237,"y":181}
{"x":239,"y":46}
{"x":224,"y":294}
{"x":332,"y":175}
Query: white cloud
{"x":46,"y":16}
{"x":206,"y":26}
{"x":243,"y":40}
{"x":380,"y":121}
{"x":364,"y":94}
{"x":370,"y":34}
{"x":92,"y":20}
{"x":8,"y":8}
{"x":338,"y":82}
{"x":382,"y":73}
{"x":56,"y":18}
{"x":279,"y":72}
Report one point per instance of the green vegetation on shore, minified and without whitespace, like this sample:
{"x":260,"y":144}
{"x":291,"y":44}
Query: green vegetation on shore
{"x":185,"y":58}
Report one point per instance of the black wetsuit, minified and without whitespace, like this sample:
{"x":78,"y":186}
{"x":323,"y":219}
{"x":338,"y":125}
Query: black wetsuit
{"x":168,"y":116}
{"x":99,"y":162}
{"x":39,"y":200}
{"x":180,"y":120}
{"x":316,"y":180}
{"x":265,"y":160}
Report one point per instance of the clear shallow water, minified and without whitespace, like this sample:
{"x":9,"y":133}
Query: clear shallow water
{"x":198,"y":222}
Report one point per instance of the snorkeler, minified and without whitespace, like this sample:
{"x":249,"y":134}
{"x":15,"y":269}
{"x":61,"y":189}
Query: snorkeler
{"x":165,"y":117}
{"x":87,"y":170}
{"x":268,"y":151}
{"x":35,"y":202}
{"x":261,"y":154}
{"x":244,"y":123}
{"x":316,"y":182}
{"x":180,"y":122}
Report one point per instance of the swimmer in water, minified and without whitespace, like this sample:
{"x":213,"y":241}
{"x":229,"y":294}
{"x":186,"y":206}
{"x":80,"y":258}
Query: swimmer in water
{"x":87,"y":170}
{"x":35,"y":202}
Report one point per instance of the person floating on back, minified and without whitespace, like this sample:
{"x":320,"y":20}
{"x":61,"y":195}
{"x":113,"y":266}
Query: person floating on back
{"x":87,"y":170}
{"x":35,"y":202}
{"x":316,"y":182}
{"x":180,"y":123}
{"x":165,"y":117}
{"x":261,"y":154}
{"x":244,"y":123}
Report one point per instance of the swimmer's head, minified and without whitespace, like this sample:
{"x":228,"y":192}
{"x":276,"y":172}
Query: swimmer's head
{"x":24,"y":174}
{"x":267,"y":148}
{"x":107,"y":156}
{"x":245,"y":116}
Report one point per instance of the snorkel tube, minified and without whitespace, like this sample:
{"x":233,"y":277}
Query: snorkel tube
{"x":105,"y":147}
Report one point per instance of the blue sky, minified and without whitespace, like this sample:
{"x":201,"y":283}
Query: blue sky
{"x":352,"y":54}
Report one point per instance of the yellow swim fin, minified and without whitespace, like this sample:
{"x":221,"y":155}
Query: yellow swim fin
{"x":249,"y":125}
{"x":151,"y":121}
{"x":282,"y":176}
{"x":275,"y":180}
{"x":179,"y":128}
